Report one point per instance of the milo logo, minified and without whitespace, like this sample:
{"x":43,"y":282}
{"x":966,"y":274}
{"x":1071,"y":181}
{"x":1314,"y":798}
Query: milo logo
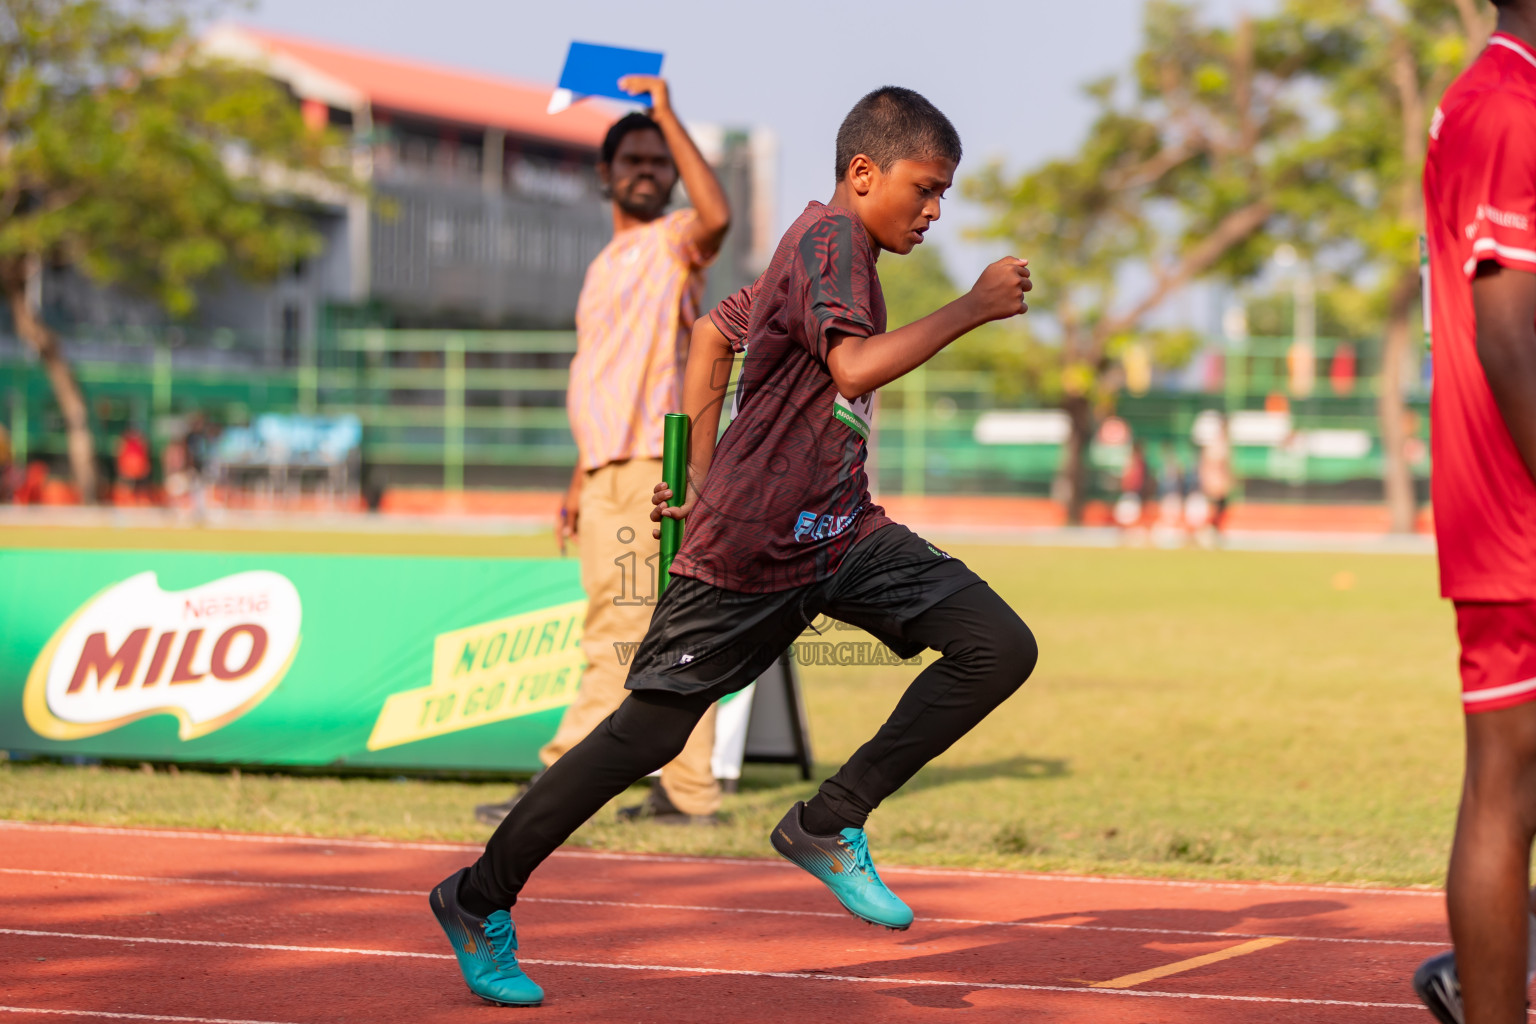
{"x":205,"y":655}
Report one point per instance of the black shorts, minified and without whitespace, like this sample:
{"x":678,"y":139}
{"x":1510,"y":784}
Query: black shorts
{"x":703,"y":638}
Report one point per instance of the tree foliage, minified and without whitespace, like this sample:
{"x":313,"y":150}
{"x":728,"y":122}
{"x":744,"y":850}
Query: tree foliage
{"x":132,"y":156}
{"x":1379,"y":101}
{"x":1304,"y":126}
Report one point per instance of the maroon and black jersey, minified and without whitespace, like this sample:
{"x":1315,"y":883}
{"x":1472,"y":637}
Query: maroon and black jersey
{"x":787,"y":494}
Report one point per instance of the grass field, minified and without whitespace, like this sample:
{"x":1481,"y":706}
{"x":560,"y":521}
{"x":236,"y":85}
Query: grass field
{"x":1195,"y":714}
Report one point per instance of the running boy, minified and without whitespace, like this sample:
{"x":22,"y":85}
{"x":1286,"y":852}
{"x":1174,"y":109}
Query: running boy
{"x":780,"y":530}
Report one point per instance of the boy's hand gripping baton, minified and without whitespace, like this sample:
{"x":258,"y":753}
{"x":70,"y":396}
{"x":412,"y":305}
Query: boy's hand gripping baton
{"x":674,"y":470}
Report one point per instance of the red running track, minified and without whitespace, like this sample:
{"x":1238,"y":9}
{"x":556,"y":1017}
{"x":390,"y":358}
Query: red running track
{"x":106,"y":924}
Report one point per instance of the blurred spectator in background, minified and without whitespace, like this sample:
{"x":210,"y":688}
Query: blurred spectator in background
{"x":1137,"y":491}
{"x":178,"y":482}
{"x":633,"y":319}
{"x":1216,"y":478}
{"x":133,"y":466}
{"x":34,"y":484}
{"x":1171,"y":488}
{"x":199,"y":445}
{"x":6,"y":469}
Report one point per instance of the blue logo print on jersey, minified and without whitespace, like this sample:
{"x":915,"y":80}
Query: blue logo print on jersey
{"x":811,"y":526}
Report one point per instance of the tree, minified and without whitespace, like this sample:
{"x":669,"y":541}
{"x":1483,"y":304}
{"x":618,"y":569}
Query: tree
{"x":129,"y":155}
{"x":1307,"y":126}
{"x":1380,"y":104}
{"x":1190,"y":159}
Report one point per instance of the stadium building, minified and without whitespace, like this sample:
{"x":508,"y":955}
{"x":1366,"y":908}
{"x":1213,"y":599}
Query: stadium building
{"x":485,"y":210}
{"x":439,"y":311}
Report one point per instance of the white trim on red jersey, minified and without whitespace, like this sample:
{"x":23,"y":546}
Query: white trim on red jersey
{"x":1484,"y":246}
{"x":1511,"y":44}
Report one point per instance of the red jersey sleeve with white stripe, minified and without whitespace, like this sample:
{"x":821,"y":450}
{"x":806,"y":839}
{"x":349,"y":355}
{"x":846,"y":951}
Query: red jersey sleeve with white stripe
{"x":1499,"y":203}
{"x":1480,"y":204}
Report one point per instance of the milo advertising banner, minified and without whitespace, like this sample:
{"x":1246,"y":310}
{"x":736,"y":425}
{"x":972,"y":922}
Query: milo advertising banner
{"x":316,"y":660}
{"x":287,"y":659}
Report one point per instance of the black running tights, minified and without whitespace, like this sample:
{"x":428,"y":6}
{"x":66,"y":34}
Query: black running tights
{"x":987,"y":650}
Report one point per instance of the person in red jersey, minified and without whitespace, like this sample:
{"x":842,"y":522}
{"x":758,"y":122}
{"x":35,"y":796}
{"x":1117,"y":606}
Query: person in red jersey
{"x":782,"y":529}
{"x":1480,"y":201}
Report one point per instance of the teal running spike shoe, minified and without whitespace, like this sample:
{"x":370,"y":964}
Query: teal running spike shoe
{"x":843,"y":864}
{"x":486,"y":948}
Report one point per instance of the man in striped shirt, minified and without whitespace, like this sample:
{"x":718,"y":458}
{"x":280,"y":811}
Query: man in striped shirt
{"x":633,"y":321}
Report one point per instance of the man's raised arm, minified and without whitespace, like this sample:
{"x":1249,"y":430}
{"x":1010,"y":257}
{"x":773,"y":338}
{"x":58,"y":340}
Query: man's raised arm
{"x":704,"y":191}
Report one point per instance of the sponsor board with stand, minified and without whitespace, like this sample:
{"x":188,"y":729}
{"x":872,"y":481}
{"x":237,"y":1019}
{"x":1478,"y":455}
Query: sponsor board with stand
{"x":313,"y":660}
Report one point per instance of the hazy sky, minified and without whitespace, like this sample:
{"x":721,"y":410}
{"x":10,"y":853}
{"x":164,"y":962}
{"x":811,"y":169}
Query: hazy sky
{"x":1008,"y":75}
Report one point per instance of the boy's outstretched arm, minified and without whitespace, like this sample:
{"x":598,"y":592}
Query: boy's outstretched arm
{"x":706,"y":381}
{"x":860,"y":365}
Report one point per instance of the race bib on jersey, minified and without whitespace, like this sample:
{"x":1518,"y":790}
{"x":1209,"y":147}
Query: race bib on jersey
{"x":857,"y":414}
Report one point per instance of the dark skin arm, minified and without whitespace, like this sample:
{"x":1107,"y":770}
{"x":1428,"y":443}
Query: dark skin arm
{"x":704,"y":191}
{"x":705,"y":382}
{"x":1505,"y":304}
{"x":860,"y":365}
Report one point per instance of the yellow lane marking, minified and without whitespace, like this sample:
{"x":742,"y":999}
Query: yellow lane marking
{"x":1179,"y":967}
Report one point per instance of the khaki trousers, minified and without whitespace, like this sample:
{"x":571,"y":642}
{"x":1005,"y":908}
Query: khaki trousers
{"x":614,"y":533}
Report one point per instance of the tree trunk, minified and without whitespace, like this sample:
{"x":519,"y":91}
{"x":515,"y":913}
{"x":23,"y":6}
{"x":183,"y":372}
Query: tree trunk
{"x":1391,"y":409}
{"x":15,"y":274}
{"x":1072,"y":478}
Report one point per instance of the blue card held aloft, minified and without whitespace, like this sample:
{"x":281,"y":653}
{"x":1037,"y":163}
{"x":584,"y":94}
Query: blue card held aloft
{"x":593,"y":70}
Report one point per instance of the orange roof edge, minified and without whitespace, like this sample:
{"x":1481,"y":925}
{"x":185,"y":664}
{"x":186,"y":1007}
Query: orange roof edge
{"x":408,"y":86}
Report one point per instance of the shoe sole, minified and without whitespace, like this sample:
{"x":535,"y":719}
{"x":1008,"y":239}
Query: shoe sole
{"x":498,"y":1002}
{"x":1435,"y":1005}
{"x":1436,"y":1009}
{"x":851,"y":912}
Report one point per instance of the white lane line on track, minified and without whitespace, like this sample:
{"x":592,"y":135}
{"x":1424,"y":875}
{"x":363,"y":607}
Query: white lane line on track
{"x":108,"y":1015}
{"x":1047,"y":925}
{"x":1026,"y":876}
{"x":974,"y":986}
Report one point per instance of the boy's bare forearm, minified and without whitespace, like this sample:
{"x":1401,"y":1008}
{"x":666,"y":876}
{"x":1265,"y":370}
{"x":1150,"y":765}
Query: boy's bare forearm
{"x":860,"y":365}
{"x":706,"y":382}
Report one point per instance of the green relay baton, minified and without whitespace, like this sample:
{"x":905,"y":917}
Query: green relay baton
{"x":674,"y":470}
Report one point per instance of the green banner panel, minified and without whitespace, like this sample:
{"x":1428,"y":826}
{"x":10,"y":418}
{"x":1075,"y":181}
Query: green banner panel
{"x":320,"y":660}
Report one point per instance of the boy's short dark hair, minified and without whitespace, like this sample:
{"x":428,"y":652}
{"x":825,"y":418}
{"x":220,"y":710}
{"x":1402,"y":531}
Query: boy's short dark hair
{"x":631,"y":122}
{"x":893,"y":124}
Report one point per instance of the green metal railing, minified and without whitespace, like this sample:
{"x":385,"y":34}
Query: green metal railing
{"x":458,"y":399}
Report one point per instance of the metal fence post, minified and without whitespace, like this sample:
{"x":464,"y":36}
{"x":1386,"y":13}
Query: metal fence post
{"x":19,"y":411}
{"x":1236,"y":376}
{"x":453,"y":413}
{"x":161,"y":379}
{"x":914,"y":417}
{"x":309,"y":379}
